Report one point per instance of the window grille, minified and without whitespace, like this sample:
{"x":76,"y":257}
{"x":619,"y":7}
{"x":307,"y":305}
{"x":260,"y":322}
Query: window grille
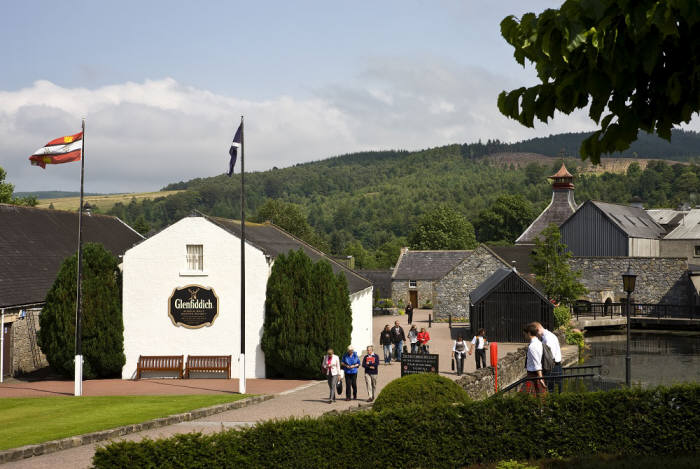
{"x":412,"y":284}
{"x":195,"y":257}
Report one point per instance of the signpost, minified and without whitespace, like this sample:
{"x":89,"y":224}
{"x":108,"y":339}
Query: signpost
{"x":412,"y":363}
{"x":193,"y":306}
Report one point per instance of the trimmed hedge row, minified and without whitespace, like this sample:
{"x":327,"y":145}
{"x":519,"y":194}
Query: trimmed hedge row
{"x":643,"y":422}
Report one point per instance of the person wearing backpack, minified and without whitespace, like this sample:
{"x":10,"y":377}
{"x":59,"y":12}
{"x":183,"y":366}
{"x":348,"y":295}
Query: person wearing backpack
{"x":550,"y":340}
{"x":533,"y":362}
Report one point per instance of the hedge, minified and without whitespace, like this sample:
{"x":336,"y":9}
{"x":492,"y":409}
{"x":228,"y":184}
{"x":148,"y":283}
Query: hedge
{"x":421,"y":388}
{"x":626,"y":422}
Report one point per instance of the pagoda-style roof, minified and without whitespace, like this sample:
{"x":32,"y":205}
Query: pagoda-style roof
{"x":562,"y":173}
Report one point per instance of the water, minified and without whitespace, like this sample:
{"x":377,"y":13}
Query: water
{"x":658,"y":357}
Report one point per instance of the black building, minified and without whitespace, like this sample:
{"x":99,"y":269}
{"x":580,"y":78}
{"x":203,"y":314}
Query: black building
{"x":505,"y":303}
{"x":603,"y":229}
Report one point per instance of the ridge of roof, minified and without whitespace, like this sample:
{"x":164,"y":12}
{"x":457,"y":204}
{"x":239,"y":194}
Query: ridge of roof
{"x":286,"y":233}
{"x":607,"y":209}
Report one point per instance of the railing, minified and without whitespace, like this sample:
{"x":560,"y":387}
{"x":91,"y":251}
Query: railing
{"x":572,"y":379}
{"x":643,"y":310}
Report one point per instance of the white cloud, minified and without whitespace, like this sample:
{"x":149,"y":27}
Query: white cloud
{"x":141,"y":136}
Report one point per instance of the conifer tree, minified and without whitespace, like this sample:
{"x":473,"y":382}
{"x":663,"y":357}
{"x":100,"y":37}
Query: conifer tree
{"x":102,"y":326}
{"x":307,"y":310}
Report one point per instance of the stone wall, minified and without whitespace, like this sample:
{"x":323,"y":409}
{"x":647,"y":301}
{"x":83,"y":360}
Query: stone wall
{"x":480,"y":383}
{"x":659,"y":279}
{"x":425,"y":289}
{"x":23,"y":341}
{"x":453,"y":290}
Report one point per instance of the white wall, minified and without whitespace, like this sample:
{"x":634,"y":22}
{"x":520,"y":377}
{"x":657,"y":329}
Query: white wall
{"x":155,"y":267}
{"x":641,"y":247}
{"x":361,"y":305}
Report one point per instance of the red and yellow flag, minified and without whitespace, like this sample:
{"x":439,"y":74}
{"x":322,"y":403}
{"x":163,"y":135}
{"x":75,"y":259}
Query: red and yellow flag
{"x":60,"y":150}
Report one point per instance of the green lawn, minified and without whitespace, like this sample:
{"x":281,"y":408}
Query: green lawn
{"x":26,"y":421}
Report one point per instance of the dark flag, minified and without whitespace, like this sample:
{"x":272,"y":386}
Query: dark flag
{"x":233,"y":151}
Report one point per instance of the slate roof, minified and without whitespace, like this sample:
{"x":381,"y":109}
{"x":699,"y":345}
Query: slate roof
{"x":520,"y":254}
{"x":560,"y":208}
{"x":688,"y":226}
{"x":274,"y":241}
{"x":427,"y":265}
{"x":666,"y":217}
{"x":633,"y":221}
{"x":34,"y":242}
{"x":488,"y":285}
{"x":381,"y":280}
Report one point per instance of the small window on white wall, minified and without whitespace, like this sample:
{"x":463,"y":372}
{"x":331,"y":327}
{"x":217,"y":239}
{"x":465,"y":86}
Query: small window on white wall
{"x":412,"y":284}
{"x":195,"y":257}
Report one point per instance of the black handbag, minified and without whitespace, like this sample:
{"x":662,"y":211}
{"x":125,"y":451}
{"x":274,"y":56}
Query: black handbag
{"x":453,"y":364}
{"x":339,"y":387}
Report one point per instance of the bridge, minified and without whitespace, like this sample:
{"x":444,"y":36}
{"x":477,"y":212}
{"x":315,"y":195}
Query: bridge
{"x":643,"y":315}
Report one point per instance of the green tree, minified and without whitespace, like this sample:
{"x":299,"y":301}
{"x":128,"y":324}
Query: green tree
{"x":6,"y":188}
{"x":307,"y":310}
{"x":102,"y":326}
{"x":141,"y":225}
{"x":443,"y":228}
{"x":290,"y":217}
{"x":551,"y":269}
{"x":636,"y":60}
{"x":505,"y":219}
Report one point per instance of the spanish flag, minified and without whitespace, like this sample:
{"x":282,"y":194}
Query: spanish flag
{"x":60,"y":150}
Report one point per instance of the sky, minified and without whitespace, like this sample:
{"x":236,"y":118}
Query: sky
{"x":162,"y":84}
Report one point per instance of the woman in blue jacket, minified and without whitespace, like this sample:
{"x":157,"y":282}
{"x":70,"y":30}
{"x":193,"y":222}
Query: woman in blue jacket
{"x":351,"y":364}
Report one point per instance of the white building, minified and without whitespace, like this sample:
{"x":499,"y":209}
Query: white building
{"x":201,"y":253}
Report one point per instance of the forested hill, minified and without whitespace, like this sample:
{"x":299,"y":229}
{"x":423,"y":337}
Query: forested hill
{"x":367,"y":204}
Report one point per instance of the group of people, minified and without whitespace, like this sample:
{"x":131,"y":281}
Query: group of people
{"x":478,"y":346}
{"x":539,"y":337}
{"x":393,"y":338}
{"x":346,"y":369}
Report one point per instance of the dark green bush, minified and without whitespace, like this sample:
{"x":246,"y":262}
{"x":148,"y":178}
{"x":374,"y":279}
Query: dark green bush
{"x":625,"y":422}
{"x":103,"y":328}
{"x":307,"y":310}
{"x":424,"y":389}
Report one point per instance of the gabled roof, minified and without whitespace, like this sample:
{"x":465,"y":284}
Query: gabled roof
{"x":666,"y":217}
{"x":34,"y":243}
{"x":633,"y":221}
{"x":520,"y":255}
{"x":274,"y":241}
{"x":427,"y":265}
{"x":488,"y":285}
{"x":688,"y":226}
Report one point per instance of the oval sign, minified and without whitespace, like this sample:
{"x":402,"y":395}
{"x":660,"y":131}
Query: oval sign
{"x":193,"y":306}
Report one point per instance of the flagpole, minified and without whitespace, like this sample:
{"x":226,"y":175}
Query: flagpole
{"x":78,"y":386}
{"x":241,"y":380}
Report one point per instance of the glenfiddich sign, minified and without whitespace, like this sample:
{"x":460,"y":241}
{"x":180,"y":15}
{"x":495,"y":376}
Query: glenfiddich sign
{"x":193,"y":306}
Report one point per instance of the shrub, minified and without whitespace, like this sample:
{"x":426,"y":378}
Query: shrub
{"x":385,"y":303}
{"x":562,"y":316}
{"x":627,"y":422}
{"x":102,"y":325}
{"x":307,"y":310}
{"x":428,"y":305}
{"x":575,"y":337}
{"x":423,"y":389}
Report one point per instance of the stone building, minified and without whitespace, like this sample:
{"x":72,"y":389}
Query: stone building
{"x":33,"y":244}
{"x":417,"y":273}
{"x":452,"y":290}
{"x":559,"y":209}
{"x":200,"y":257}
{"x":684,"y":239}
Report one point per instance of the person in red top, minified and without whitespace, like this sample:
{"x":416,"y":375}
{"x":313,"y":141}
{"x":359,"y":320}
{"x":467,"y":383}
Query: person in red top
{"x":423,"y":339}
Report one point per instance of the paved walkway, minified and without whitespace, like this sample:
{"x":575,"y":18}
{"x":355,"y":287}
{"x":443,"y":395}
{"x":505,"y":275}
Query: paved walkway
{"x":299,"y":398}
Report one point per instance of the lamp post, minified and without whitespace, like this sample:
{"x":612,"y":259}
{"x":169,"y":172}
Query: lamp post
{"x":629,"y":278}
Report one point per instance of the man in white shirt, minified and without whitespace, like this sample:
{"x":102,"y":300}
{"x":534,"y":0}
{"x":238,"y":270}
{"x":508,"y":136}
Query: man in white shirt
{"x":552,"y":341}
{"x":534,"y":361}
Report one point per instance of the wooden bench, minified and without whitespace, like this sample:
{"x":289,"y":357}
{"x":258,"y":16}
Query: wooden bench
{"x":160,"y":363}
{"x":209,"y":364}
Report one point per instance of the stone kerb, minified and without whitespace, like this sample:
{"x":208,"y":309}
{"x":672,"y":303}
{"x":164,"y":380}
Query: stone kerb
{"x":47,"y":447}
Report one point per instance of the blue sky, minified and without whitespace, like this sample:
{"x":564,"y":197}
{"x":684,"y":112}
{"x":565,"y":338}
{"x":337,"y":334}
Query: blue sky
{"x":162,"y":84}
